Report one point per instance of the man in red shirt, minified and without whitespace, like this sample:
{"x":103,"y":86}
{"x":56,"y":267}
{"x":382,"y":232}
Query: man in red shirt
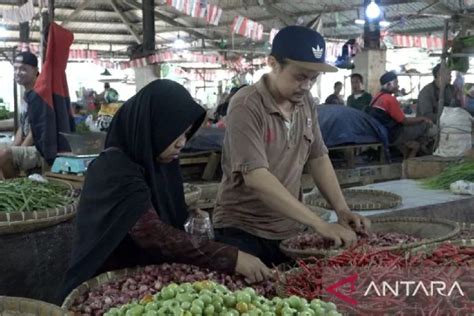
{"x":407,"y":132}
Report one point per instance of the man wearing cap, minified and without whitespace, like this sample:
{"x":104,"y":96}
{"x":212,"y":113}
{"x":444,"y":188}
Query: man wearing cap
{"x":272,"y":132}
{"x":407,"y":132}
{"x":22,"y":155}
{"x":427,"y":105}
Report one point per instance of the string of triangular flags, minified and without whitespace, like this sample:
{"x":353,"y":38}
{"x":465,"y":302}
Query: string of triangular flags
{"x":198,"y":9}
{"x":23,"y":13}
{"x":248,"y":28}
{"x":74,"y":54}
{"x":428,"y":42}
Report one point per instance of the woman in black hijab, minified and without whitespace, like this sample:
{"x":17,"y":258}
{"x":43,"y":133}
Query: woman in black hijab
{"x":132,"y":209}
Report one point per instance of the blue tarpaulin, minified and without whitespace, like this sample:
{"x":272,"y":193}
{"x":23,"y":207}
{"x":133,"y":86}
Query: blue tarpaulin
{"x":206,"y":139}
{"x":340,"y":125}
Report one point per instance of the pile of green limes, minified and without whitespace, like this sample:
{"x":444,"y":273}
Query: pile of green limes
{"x":209,"y":298}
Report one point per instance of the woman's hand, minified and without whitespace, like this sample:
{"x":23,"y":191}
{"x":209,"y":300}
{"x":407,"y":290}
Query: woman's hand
{"x":252,"y":268}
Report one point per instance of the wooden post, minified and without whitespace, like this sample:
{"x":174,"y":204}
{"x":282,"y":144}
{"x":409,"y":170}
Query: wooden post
{"x":148,"y":11}
{"x":15,"y":97}
{"x":24,"y":38}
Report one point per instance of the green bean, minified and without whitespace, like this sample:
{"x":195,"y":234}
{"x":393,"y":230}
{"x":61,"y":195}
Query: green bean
{"x":26,"y":195}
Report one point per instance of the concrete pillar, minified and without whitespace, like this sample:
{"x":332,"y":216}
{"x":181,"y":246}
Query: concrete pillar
{"x":371,"y":65}
{"x":145,"y":75}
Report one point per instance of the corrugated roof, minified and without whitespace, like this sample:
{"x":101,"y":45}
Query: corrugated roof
{"x":99,"y":24}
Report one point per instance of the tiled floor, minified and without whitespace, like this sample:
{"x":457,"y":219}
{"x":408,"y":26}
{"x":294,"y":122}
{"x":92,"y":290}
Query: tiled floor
{"x":412,"y":193}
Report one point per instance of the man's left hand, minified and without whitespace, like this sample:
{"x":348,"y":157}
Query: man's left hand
{"x":356,"y":222}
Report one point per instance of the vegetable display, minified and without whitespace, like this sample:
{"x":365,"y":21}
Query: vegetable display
{"x":311,"y":277}
{"x":462,"y":171}
{"x":151,"y":280}
{"x":5,"y":114}
{"x":22,"y":194}
{"x":209,"y":298}
{"x":313,"y":241}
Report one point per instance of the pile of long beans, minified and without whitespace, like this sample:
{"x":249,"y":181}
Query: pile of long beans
{"x":24,"y":195}
{"x":462,"y":171}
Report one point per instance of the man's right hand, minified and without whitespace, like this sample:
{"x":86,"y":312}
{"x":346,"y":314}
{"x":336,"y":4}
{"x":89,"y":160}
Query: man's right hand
{"x":340,"y":235}
{"x":252,"y":268}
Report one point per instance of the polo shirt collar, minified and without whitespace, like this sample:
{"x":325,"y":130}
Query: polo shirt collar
{"x":267,"y":98}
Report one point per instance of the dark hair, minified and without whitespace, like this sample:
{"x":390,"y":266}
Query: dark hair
{"x":358,"y":76}
{"x":106,"y":85}
{"x":280,"y":60}
{"x":436,"y":70}
{"x":338,"y":83}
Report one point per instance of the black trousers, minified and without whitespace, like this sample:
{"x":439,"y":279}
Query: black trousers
{"x":267,"y":250}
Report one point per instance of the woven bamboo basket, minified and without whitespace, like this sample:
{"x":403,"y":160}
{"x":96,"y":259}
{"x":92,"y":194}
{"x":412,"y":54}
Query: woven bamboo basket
{"x":97,"y":281}
{"x":12,"y":306}
{"x":22,"y":222}
{"x":192,"y":194}
{"x":465,"y":229}
{"x":359,"y":199}
{"x":430,"y":230}
{"x":429,"y":248}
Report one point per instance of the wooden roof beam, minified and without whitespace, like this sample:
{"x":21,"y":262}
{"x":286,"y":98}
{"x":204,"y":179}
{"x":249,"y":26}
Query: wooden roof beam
{"x":76,"y":12}
{"x":125,"y":21}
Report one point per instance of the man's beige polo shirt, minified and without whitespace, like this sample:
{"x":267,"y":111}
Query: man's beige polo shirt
{"x":258,"y":136}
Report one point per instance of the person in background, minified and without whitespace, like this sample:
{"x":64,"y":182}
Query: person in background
{"x":335,"y":98}
{"x":221,"y":110}
{"x":132,"y":208}
{"x":359,"y":99}
{"x":272,"y":133}
{"x":469,"y":100}
{"x":408,"y":133}
{"x":22,"y":155}
{"x":427,"y":105}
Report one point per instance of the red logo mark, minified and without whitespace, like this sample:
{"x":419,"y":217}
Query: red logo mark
{"x":351,"y":280}
{"x":269,"y":136}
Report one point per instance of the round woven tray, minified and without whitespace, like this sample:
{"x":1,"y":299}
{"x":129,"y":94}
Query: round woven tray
{"x":465,"y":227}
{"x":97,"y":281}
{"x":192,"y":194}
{"x":22,"y":222}
{"x":360,"y":200}
{"x":431,"y":230}
{"x":10,"y":306}
{"x":431,"y":247}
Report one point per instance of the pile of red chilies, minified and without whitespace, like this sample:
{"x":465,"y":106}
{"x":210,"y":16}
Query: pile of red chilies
{"x":307,"y":281}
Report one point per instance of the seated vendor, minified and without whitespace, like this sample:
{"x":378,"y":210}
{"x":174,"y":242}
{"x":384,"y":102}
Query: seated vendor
{"x":410,"y":133}
{"x":428,"y":99}
{"x":22,"y":155}
{"x":359,"y":98}
{"x":132,"y":209}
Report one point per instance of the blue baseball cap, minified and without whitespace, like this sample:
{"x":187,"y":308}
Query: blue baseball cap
{"x":301,"y":46}
{"x":26,"y":58}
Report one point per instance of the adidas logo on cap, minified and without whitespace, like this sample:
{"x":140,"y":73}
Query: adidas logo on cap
{"x":317,"y":52}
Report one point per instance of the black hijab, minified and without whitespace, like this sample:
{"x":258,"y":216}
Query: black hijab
{"x":126,"y":177}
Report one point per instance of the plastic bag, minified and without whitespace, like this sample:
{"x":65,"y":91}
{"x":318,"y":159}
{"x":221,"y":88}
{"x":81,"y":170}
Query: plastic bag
{"x":462,"y":187}
{"x":199,"y":224}
{"x":455,"y":134}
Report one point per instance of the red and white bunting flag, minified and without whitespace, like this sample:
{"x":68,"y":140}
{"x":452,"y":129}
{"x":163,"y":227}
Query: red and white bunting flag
{"x":259,"y":32}
{"x":187,"y":7}
{"x":195,"y":8}
{"x":213,"y":15}
{"x":273,"y":33}
{"x":239,"y":25}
